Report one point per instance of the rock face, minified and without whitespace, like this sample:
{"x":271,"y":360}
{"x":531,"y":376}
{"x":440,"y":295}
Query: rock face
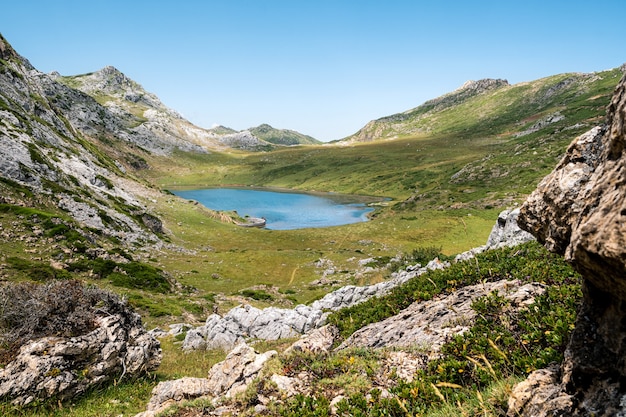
{"x":225,"y":379}
{"x":65,"y":367}
{"x":578,"y":211}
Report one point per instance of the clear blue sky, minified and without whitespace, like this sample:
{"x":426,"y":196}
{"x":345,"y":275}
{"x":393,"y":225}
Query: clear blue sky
{"x":323,"y":67}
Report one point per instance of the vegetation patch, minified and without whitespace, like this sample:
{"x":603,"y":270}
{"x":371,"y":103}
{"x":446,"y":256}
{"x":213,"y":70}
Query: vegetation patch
{"x":36,"y":270}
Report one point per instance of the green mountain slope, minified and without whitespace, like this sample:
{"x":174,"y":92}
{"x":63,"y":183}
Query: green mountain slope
{"x":282,"y":136}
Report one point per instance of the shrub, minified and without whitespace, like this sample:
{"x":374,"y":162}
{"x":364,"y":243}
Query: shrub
{"x":61,"y":308}
{"x":140,"y":276}
{"x":37,"y":271}
{"x":258,"y":295}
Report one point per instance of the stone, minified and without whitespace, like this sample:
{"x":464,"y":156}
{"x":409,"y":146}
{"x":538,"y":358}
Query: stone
{"x":289,"y":386}
{"x":539,"y":389}
{"x":427,"y":325}
{"x":233,"y":374}
{"x":578,"y":211}
{"x":225,"y":379}
{"x":57,"y":367}
{"x":167,"y":393}
{"x":317,"y":341}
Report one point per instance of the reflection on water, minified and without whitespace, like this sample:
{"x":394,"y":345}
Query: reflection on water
{"x":282,"y":210}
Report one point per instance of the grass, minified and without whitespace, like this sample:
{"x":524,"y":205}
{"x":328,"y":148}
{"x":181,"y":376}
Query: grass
{"x":476,"y":370}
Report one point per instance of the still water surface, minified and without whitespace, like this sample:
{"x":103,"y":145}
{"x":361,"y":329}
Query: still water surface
{"x":282,"y":210}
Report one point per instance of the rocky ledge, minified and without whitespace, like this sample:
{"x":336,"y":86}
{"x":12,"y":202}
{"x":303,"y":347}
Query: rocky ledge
{"x":63,"y":367}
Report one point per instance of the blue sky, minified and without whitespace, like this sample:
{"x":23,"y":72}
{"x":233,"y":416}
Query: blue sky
{"x":324,"y":67}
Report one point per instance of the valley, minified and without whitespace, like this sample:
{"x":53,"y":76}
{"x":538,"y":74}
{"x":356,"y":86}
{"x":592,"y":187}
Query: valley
{"x":88,"y":164}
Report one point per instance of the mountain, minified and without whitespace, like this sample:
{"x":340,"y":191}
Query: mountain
{"x":160,"y":128}
{"x":61,"y":149}
{"x":480,"y":107}
{"x":282,"y":136}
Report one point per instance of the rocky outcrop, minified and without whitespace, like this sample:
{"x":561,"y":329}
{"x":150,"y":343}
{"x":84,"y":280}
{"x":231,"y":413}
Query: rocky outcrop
{"x":225,"y":379}
{"x":58,"y":367}
{"x":246,"y":321}
{"x":428,"y":325}
{"x":578,"y":211}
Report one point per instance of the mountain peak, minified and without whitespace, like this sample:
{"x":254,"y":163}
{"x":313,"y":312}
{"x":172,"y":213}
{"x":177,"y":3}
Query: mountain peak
{"x":483,"y":85}
{"x":6,"y":50}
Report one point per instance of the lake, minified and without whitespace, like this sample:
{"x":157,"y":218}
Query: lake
{"x":283,"y":210}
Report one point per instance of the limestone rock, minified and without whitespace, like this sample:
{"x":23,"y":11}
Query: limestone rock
{"x":167,"y":393}
{"x":65,"y":367}
{"x":506,"y":232}
{"x":540,"y":388}
{"x":246,"y":321}
{"x":578,"y":211}
{"x":225,"y":379}
{"x":234,"y":373}
{"x":317,"y":341}
{"x":428,"y":324}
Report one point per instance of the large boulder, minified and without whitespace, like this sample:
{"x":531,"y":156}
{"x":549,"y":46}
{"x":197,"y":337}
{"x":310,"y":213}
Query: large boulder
{"x":579,"y":211}
{"x":225,"y":379}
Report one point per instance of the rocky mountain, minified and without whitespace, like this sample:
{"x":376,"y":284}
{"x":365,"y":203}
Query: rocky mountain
{"x":75,"y":141}
{"x":146,"y":113}
{"x":59,"y":147}
{"x":282,"y":136}
{"x":160,"y":128}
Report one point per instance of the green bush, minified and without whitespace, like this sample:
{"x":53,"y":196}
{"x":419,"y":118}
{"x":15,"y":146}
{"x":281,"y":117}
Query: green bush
{"x":136,"y":275}
{"x":529,"y":262}
{"x":37,"y":271}
{"x":258,"y":295}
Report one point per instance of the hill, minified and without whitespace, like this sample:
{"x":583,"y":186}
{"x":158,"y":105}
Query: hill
{"x":282,"y":136}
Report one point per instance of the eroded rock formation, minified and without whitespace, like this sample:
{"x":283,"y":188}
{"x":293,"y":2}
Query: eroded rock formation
{"x":63,"y":367}
{"x":579,"y":211}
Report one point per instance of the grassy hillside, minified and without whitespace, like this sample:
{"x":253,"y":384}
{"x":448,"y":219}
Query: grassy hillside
{"x":444,"y":186}
{"x":487,"y":150}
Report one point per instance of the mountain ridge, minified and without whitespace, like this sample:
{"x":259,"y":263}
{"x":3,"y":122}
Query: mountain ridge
{"x":113,"y":89}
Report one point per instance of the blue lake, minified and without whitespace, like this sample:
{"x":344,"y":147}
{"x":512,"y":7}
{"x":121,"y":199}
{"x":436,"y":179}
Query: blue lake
{"x":283,"y":210}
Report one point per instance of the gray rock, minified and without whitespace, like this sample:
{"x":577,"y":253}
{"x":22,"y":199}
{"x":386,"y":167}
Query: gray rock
{"x":65,"y":367}
{"x":225,"y":379}
{"x":168,"y":393}
{"x":246,"y":321}
{"x":317,"y":341}
{"x":234,"y":373}
{"x":427,"y":325}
